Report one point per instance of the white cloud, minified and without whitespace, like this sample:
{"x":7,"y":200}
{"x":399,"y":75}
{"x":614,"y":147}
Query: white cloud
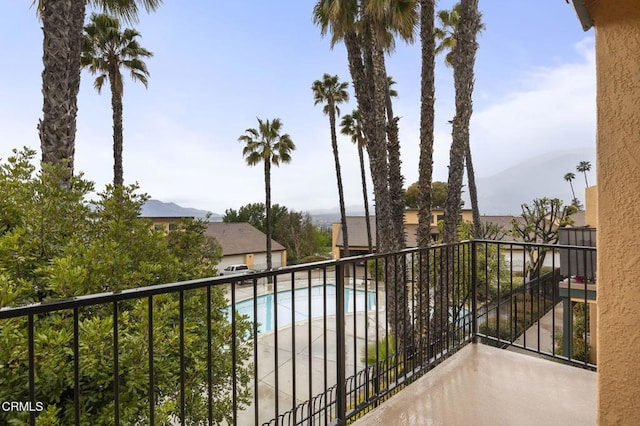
{"x":554,"y":109}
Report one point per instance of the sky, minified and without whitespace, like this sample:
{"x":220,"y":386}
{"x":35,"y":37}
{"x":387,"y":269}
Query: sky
{"x":217,"y":66}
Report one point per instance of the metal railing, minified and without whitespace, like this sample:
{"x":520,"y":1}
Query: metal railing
{"x":313,"y":344}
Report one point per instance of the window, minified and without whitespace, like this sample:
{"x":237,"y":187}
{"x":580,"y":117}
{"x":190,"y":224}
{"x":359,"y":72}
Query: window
{"x":158,"y":227}
{"x":173,"y":227}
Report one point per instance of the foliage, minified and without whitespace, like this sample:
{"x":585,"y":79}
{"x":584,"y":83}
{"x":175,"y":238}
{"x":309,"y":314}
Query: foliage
{"x":379,"y":351}
{"x":579,"y":346}
{"x":106,"y":50}
{"x":54,"y":244}
{"x":539,"y":223}
{"x":294,"y":230}
{"x":269,"y":146}
{"x":438,"y":195}
{"x":584,"y":167}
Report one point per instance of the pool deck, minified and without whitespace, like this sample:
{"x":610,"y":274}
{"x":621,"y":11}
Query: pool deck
{"x":288,"y":365}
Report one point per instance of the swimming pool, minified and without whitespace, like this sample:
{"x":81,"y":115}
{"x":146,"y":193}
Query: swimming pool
{"x":353,"y":302}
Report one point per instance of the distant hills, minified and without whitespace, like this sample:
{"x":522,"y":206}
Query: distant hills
{"x":541,"y":176}
{"x":500,"y":194}
{"x":156,"y":208}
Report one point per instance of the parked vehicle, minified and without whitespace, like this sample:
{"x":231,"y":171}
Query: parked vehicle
{"x":234,"y":270}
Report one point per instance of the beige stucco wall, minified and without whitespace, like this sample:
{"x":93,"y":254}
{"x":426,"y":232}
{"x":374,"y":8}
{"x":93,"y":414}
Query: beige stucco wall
{"x":591,"y":206}
{"x":617,"y":31}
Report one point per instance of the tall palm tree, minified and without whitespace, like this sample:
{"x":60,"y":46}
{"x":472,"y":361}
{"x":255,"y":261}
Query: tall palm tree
{"x":569,"y":177}
{"x":62,"y":25}
{"x":464,"y":53}
{"x":367,"y":29}
{"x":330,"y":91}
{"x":427,"y":113}
{"x":584,"y":167}
{"x":351,"y":125}
{"x":447,"y":33}
{"x":106,"y":49}
{"x":269,"y":146}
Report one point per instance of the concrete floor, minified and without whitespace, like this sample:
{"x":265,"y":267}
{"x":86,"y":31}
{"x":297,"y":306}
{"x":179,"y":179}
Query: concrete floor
{"x":482,"y":385}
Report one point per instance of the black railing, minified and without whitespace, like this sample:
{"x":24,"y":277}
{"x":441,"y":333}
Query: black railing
{"x":311,"y":344}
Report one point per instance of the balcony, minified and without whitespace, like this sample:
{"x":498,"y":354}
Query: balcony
{"x":419,"y":336}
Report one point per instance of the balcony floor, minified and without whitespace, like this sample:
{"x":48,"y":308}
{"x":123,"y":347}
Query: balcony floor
{"x":482,"y":385}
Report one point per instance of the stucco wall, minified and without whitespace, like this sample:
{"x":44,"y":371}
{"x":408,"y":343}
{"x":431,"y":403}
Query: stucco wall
{"x":617,"y":25}
{"x":591,"y":206}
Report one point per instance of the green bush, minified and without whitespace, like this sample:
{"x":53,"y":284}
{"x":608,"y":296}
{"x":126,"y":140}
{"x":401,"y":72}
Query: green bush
{"x":56,"y":244}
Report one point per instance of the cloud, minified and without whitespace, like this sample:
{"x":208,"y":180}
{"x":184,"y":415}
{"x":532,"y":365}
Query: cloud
{"x":555,"y":108}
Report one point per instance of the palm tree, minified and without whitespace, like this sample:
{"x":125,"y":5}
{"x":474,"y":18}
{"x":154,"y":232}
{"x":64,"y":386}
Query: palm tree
{"x":62,"y":25}
{"x":463,"y":55}
{"x":366,"y":29}
{"x":569,"y":177}
{"x":266,"y":144}
{"x":332,"y":92}
{"x":447,"y":33}
{"x":105,"y":51}
{"x":584,"y":167}
{"x":427,"y":113}
{"x":351,"y":125}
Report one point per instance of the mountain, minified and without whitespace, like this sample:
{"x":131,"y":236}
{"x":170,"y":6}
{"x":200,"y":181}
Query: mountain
{"x":156,"y":208}
{"x":541,"y":176}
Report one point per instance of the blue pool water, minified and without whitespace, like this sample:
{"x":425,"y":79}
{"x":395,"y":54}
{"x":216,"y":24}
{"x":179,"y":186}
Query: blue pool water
{"x":266,"y":307}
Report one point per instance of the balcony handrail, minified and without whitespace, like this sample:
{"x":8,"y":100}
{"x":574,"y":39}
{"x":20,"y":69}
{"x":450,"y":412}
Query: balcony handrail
{"x":411,"y":280}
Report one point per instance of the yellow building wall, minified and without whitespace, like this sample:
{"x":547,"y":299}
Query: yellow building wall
{"x":617,"y":28}
{"x":591,"y":206}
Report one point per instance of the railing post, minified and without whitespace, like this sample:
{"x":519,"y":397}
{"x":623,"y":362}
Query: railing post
{"x":474,"y":307}
{"x":341,"y":392}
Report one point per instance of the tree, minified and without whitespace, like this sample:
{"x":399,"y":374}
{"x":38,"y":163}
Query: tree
{"x":105,"y":51}
{"x":539,"y":223}
{"x":294,"y":230}
{"x":252,"y":213}
{"x":351,"y":125}
{"x":267,"y":145}
{"x":55,"y":245}
{"x":62,"y":22}
{"x":584,"y":167}
{"x":367,"y":29}
{"x":332,"y":92}
{"x":438,"y":195}
{"x":427,"y":113}
{"x":570,"y":177}
{"x":462,"y":45}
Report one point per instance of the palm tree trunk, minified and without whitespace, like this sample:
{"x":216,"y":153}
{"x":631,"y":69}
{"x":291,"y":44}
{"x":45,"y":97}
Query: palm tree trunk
{"x":363,"y":176}
{"x":463,"y":63}
{"x":373,"y":129}
{"x":116,"y":106}
{"x":396,"y":180}
{"x":427,"y":105}
{"x":267,"y":203}
{"x":336,"y":160}
{"x":57,"y":126}
{"x":572,"y":191}
{"x":473,"y":192}
{"x":427,"y":112}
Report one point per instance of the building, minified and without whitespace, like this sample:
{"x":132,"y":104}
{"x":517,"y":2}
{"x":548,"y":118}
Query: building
{"x":617,"y":33}
{"x":167,"y":223}
{"x":242,"y":243}
{"x":358,"y":240}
